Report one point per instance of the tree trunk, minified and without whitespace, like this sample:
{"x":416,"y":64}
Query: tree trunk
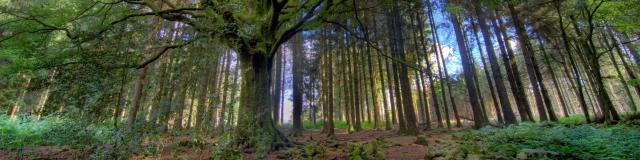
{"x":511,"y":68}
{"x":468,"y":70}
{"x":407,"y":112}
{"x":423,"y":106}
{"x":496,"y":103}
{"x":374,"y":95}
{"x":567,"y":46}
{"x":298,"y":64}
{"x":626,"y":66}
{"x":135,"y":98}
{"x":505,"y":104}
{"x":277,"y":86}
{"x":255,"y":99}
{"x":620,"y":76}
{"x":202,"y":98}
{"x":553,"y":77}
{"x":224,"y":108}
{"x":19,"y":97}
{"x":530,"y":63}
{"x":443,"y":79}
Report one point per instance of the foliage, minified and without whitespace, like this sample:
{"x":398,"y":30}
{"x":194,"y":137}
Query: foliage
{"x":24,"y":131}
{"x":550,"y":140}
{"x":96,"y":140}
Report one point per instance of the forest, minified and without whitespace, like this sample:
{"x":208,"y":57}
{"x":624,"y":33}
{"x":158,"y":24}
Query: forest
{"x":319,"y":79}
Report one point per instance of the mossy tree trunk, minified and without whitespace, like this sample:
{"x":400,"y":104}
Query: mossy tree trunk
{"x":255,"y":127}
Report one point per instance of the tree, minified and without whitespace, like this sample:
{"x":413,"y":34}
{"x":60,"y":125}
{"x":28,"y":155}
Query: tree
{"x":508,"y":115}
{"x":468,"y":70}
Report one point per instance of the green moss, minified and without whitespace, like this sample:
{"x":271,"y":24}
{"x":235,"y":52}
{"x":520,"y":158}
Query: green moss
{"x":372,"y":150}
{"x":421,"y":140}
{"x":309,"y":151}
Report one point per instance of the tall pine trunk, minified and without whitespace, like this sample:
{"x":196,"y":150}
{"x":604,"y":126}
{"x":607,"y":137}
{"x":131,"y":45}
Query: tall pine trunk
{"x":505,"y":104}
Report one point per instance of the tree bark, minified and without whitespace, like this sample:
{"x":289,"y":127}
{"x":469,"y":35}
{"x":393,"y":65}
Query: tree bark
{"x":530,"y":63}
{"x":511,"y":68}
{"x":468,"y":70}
{"x":505,"y":104}
{"x":567,"y":46}
{"x":298,"y":61}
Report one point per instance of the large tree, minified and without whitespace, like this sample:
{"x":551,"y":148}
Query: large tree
{"x":253,"y":29}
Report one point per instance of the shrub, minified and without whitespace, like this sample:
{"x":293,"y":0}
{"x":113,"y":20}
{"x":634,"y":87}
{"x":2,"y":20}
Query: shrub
{"x":24,"y":131}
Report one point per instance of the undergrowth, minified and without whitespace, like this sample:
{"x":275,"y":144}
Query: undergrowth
{"x":24,"y":131}
{"x":89,"y":140}
{"x":550,"y":141}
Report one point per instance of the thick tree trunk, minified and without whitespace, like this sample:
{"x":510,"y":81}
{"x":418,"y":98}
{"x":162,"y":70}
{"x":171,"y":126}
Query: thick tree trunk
{"x":298,"y":64}
{"x":255,"y":99}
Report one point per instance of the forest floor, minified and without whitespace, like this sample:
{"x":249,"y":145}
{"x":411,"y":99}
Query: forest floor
{"x":567,"y":139}
{"x":398,"y":146}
